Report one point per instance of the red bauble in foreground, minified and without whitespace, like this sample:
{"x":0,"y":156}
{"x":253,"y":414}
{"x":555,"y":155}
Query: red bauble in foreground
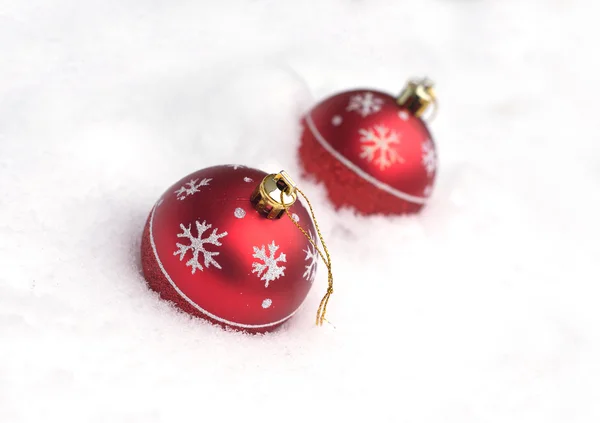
{"x":206,"y":248}
{"x":372,"y":151}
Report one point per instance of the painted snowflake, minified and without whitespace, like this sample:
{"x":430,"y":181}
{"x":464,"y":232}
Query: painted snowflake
{"x":197,"y":246}
{"x":191,"y":187}
{"x":312,"y":256}
{"x":378,"y":146}
{"x":428,"y":158}
{"x":268,"y":269}
{"x":427,"y":191}
{"x":364,"y":104}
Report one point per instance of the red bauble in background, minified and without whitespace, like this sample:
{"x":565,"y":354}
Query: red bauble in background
{"x":206,"y":248}
{"x":372,"y":151}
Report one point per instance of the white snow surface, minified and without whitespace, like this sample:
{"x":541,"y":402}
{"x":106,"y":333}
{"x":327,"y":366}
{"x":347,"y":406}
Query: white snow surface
{"x":484,"y":308}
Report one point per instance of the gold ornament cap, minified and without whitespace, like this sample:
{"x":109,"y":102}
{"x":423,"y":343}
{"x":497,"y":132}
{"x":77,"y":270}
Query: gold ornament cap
{"x":417,"y":96}
{"x":268,"y":195}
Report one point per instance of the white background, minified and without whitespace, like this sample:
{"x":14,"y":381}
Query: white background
{"x":484,"y":308}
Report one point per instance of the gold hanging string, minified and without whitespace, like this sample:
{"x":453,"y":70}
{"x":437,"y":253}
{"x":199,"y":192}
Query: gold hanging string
{"x":326,"y":258}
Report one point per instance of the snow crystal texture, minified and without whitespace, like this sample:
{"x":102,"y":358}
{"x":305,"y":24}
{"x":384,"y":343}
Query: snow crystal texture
{"x":484,"y":308}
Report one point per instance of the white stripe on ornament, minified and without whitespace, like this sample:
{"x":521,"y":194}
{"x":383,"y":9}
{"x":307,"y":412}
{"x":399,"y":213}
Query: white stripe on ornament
{"x":374,"y":181}
{"x":196,"y":306}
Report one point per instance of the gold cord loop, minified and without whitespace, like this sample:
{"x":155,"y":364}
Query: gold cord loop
{"x":325,"y":256}
{"x":434,"y":110}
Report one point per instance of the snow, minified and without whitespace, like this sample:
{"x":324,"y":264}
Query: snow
{"x":484,"y":308}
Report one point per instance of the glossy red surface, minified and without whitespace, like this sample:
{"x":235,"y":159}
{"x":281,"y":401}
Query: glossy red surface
{"x":228,"y":289}
{"x":342,"y":144}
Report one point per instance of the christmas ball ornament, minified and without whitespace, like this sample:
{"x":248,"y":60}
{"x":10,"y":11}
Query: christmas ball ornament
{"x":373,"y":152}
{"x":217,"y":244}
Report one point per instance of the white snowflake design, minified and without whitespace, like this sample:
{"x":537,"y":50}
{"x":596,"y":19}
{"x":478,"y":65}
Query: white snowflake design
{"x":191,"y":187}
{"x":336,"y":120}
{"x":239,"y":212}
{"x":378,"y":146}
{"x":427,"y":191}
{"x":364,"y":104}
{"x":429,"y":158}
{"x":312,"y":256}
{"x":402,"y":114}
{"x":196,"y":245}
{"x":269,"y":263}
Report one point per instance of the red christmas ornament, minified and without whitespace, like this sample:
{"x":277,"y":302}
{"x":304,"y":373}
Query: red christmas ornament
{"x":373,"y":152}
{"x":214,"y":244}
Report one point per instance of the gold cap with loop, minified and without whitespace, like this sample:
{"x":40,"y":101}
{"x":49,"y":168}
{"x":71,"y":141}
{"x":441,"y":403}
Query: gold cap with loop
{"x":267,"y":197}
{"x":417,"y":96}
